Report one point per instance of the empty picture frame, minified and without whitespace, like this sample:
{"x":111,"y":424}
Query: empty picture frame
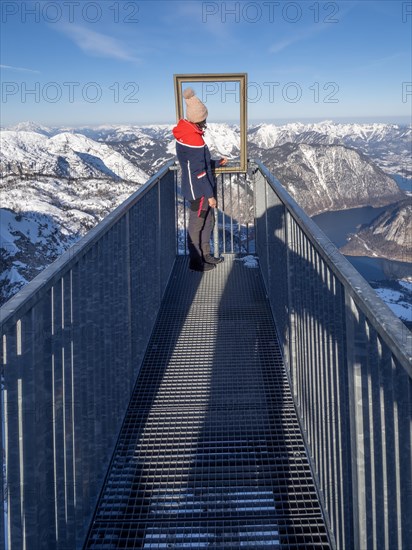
{"x":209,"y":82}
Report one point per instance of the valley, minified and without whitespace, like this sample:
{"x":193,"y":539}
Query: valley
{"x":57,"y":183}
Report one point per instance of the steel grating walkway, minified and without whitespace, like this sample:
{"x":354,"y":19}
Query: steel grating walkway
{"x":210,"y":454}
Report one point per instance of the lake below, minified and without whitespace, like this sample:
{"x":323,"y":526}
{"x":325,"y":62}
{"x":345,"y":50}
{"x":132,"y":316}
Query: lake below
{"x":404,"y":183}
{"x":338,"y":225}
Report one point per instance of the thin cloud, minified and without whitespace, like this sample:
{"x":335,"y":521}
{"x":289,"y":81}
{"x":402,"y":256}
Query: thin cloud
{"x":381,"y":61}
{"x":313,"y":30}
{"x":18,"y":69}
{"x":199,"y":21}
{"x":98,"y":44}
{"x":304,"y":35}
{"x":280,"y":46}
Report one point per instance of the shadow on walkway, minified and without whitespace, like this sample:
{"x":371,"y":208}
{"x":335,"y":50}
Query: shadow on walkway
{"x":211,"y":454}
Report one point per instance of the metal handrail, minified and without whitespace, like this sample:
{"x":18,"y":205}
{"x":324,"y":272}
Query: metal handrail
{"x":380,"y":315}
{"x":50,"y":358}
{"x":21,"y":302}
{"x":349,"y":364}
{"x":73,"y":340}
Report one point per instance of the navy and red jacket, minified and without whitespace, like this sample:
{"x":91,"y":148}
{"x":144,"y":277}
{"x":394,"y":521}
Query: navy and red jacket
{"x":194,"y":158}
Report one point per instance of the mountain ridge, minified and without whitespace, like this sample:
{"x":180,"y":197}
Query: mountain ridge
{"x":323,"y":178}
{"x":388,"y":144}
{"x":64,"y":181}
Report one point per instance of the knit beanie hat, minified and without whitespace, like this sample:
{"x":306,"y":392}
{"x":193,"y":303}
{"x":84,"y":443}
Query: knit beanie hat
{"x":195,"y":110}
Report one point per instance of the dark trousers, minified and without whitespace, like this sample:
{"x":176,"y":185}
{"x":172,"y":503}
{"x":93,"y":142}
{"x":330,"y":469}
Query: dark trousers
{"x":199,"y":233}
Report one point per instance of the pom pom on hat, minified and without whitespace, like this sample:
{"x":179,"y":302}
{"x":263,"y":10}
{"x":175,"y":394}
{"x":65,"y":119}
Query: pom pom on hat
{"x":188,"y":93}
{"x":196,"y":111}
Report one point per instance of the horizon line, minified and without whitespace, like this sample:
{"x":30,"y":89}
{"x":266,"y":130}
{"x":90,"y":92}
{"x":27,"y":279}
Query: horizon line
{"x":396,"y":119}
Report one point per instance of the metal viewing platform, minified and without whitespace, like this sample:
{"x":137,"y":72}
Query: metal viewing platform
{"x":266,"y":403}
{"x":211,"y":453}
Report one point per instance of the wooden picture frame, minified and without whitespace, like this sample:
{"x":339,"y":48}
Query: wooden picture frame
{"x":241,"y":78}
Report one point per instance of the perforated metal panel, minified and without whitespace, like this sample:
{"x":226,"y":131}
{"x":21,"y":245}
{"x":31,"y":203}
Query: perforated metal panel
{"x":211,"y":454}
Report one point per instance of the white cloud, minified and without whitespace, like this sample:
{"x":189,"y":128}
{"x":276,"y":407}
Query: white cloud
{"x":298,"y":37}
{"x":283,"y":44}
{"x":95,"y":43}
{"x":18,"y":69}
{"x":198,"y":21}
{"x":315,"y":29}
{"x":382,"y":61}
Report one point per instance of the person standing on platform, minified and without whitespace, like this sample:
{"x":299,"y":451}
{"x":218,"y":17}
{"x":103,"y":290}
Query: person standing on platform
{"x":198,"y":182}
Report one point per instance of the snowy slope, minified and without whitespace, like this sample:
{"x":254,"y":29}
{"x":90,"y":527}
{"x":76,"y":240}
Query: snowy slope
{"x":398,"y":296}
{"x":53,"y":190}
{"x":29,"y":242}
{"x":64,"y":180}
{"x":223,"y":140}
{"x":63,"y":155}
{"x":325,"y":178}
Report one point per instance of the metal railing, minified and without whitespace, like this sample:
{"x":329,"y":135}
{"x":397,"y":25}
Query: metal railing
{"x":234,"y":228}
{"x":73,"y":340}
{"x":350,"y":368}
{"x":72,"y":344}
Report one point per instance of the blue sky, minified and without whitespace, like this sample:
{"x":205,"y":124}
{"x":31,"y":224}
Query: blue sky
{"x":74,"y":62}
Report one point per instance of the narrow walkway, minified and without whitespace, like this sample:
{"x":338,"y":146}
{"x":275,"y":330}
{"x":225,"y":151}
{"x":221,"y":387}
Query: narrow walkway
{"x":211,"y":455}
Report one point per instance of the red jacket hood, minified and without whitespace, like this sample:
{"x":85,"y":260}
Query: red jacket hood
{"x":188,"y":133}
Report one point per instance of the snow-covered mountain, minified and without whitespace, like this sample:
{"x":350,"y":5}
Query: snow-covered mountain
{"x":324,"y":178}
{"x":53,"y":190}
{"x":57,"y":183}
{"x":389,"y":145}
{"x":63,"y":155}
{"x":32,"y":127}
{"x":268,"y":135}
{"x":387,"y":236}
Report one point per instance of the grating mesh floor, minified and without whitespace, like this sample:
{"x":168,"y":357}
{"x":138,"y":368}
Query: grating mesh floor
{"x":210,"y":454}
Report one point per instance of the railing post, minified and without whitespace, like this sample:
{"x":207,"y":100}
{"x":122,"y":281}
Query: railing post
{"x":159,"y":240}
{"x":355,"y":348}
{"x":216,"y":234}
{"x":128,"y":269}
{"x":3,"y":421}
{"x":290,"y":348}
{"x":259,"y":194}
